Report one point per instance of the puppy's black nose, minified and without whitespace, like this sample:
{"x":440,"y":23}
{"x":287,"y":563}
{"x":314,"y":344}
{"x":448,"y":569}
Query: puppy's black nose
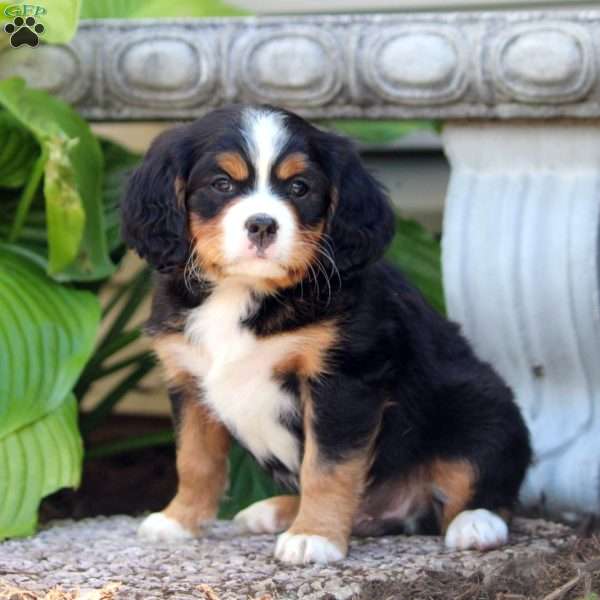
{"x":262,"y":230}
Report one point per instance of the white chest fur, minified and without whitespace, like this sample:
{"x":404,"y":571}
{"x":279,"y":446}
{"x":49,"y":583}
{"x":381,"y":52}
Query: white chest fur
{"x":235,"y":370}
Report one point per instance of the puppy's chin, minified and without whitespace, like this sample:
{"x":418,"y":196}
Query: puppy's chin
{"x":256,"y":268}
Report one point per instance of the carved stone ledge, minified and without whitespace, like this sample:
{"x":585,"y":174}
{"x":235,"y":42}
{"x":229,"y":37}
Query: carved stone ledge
{"x":446,"y":66}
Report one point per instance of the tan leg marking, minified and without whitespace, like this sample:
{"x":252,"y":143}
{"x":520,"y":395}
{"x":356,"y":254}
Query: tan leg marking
{"x":330,"y":492}
{"x":456,"y":480}
{"x":202,"y":449}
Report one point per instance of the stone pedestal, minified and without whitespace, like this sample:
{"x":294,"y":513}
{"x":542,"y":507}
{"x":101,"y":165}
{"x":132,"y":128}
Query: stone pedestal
{"x":521,"y":271}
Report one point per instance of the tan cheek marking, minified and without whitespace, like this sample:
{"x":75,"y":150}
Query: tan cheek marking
{"x":202,"y":449}
{"x":234,"y":165}
{"x":330,"y":492}
{"x":305,"y":252}
{"x":456,"y":481}
{"x":207,"y":243}
{"x":292,"y":165}
{"x":310,"y":345}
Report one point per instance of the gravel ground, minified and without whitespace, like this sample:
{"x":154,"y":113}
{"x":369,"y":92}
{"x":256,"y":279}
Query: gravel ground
{"x":93,"y":553}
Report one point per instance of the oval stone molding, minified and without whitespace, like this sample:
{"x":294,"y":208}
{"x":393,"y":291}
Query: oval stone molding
{"x":416,"y":64}
{"x":544,"y":62}
{"x":488,"y":65}
{"x":294,"y":67}
{"x":59,"y":70}
{"x":162,"y":70}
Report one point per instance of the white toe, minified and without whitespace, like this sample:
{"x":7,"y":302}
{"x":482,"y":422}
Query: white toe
{"x":157,"y":527}
{"x":480,"y":529}
{"x":300,"y":549}
{"x":260,"y":517}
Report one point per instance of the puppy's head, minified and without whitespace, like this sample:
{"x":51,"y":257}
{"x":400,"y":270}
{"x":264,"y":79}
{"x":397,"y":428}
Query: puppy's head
{"x":254,"y":193}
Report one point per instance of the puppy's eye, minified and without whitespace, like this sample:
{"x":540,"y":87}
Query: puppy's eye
{"x":298,"y":188}
{"x":222,"y":184}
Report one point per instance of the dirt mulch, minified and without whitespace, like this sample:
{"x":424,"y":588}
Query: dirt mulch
{"x":572,"y":574}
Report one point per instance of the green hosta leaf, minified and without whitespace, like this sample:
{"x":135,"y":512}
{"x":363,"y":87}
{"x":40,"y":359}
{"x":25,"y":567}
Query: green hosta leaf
{"x":418,"y":254}
{"x":248,"y":483}
{"x":59,"y":18}
{"x":18,"y":152}
{"x":144,"y":9}
{"x":54,"y":124}
{"x":118,"y":161}
{"x":47,"y":334}
{"x":35,"y":461}
{"x":65,"y":216}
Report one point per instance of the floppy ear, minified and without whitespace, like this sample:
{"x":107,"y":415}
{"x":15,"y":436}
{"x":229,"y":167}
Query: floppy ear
{"x":361,"y":222}
{"x":153,"y":211}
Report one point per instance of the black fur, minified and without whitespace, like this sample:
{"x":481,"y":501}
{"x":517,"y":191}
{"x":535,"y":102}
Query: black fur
{"x":153,"y":223}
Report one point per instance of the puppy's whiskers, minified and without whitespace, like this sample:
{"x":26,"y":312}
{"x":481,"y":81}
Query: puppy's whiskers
{"x":320,"y":268}
{"x":192,"y":272}
{"x":334,"y":269}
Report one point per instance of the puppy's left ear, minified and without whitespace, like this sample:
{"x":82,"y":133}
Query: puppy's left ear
{"x":361,"y":221}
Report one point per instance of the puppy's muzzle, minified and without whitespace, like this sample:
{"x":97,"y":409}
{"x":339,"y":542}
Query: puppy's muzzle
{"x":262,"y":230}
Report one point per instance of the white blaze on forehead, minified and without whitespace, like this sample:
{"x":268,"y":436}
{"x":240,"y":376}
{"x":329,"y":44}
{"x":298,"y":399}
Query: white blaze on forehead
{"x":265,"y":134}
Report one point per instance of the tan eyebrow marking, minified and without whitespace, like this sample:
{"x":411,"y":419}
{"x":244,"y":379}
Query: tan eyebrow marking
{"x":292,"y":165}
{"x":233,"y":164}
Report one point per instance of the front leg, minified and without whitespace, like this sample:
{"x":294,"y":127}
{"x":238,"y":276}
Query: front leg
{"x":339,"y":428}
{"x":202,"y":449}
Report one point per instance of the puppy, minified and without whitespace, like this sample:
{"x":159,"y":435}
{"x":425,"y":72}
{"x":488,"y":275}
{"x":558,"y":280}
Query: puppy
{"x":279,"y":324}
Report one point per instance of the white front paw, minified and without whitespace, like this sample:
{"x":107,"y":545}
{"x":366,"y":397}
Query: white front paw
{"x":157,"y":527}
{"x":260,"y":517}
{"x":300,"y":549}
{"x":480,"y":529}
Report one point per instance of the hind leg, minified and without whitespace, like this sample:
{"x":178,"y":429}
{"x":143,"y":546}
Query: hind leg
{"x":470,"y":519}
{"x":479,"y":529}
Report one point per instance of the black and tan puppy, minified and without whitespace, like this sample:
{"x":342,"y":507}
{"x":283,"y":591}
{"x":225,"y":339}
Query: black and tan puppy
{"x":279,"y":324}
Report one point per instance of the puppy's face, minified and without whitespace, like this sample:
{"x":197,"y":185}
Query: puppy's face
{"x":255,"y":193}
{"x":258,"y":198}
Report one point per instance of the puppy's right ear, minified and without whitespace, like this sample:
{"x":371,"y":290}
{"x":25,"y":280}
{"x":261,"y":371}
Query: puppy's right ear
{"x":153,"y":210}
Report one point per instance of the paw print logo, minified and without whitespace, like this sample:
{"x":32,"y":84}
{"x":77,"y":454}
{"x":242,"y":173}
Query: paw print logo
{"x":24,"y":31}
